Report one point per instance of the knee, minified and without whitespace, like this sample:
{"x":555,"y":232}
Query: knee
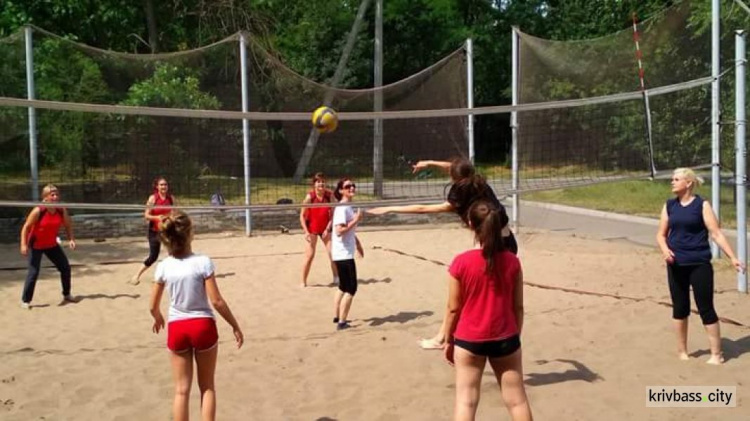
{"x":182,"y":389}
{"x":680,"y":313}
{"x":206,"y":386}
{"x":708,"y":316}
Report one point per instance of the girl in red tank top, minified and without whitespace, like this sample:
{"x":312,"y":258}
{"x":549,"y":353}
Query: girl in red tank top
{"x":485,"y":316}
{"x":39,"y":234}
{"x":316,"y":222}
{"x":160,"y":197}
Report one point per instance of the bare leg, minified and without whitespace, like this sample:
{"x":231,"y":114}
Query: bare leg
{"x":346,"y":304}
{"x":681,"y":328}
{"x":714,"y":339}
{"x":334,"y":269}
{"x":437,"y":341}
{"x":312,"y":240}
{"x":509,"y":373}
{"x":136,"y":279}
{"x":182,"y":373}
{"x":206,"y":362}
{"x":469,"y":368}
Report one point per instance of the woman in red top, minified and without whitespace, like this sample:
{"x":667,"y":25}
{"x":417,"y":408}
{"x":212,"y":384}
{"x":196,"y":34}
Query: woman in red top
{"x":159,"y":197}
{"x":485,"y":316}
{"x":40,"y":234}
{"x":316,"y":222}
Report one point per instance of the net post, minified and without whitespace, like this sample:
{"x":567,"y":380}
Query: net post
{"x":470,"y":95}
{"x":514,"y":127}
{"x":30,"y":94}
{"x":377,"y":144}
{"x":245,"y":131}
{"x":741,"y":156}
{"x":715,"y":110}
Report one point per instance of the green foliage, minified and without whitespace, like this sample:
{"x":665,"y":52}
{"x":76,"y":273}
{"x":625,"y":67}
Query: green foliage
{"x":171,"y":86}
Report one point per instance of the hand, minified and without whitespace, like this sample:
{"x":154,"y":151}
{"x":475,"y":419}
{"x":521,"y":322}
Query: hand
{"x":24,"y":249}
{"x":419,"y":166}
{"x":378,"y":211}
{"x":239,"y":337}
{"x":158,"y":323}
{"x":738,"y":265}
{"x":359,"y":215}
{"x":669,"y":257}
{"x":448,"y":352}
{"x":308,"y":237}
{"x":326,"y":234}
{"x":72,"y":244}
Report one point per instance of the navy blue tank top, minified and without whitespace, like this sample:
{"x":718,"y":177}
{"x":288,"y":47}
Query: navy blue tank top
{"x":688,"y":235}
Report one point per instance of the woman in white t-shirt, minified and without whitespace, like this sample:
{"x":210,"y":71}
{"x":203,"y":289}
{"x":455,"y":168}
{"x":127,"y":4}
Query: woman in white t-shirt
{"x":191,"y":332}
{"x":344,"y":243}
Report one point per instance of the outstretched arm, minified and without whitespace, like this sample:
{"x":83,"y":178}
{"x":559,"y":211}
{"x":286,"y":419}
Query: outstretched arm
{"x":421,"y":165}
{"x":438,"y":208}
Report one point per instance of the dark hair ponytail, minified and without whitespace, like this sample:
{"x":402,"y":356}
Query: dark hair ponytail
{"x":487,"y":222}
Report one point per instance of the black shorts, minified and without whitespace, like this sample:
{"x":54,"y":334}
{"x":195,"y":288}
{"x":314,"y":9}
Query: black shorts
{"x":491,"y":349}
{"x":347,"y":276}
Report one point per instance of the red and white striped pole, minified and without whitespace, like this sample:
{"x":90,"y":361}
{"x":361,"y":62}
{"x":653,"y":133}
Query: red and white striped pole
{"x":638,"y":53}
{"x":646,"y":107}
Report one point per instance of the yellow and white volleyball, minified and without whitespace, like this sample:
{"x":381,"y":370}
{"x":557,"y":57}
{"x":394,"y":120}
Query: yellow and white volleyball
{"x":325,"y":119}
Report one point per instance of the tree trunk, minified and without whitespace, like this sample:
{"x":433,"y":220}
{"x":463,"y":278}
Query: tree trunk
{"x":153,"y":35}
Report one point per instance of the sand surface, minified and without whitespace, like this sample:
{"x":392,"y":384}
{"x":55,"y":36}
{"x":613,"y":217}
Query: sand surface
{"x":586,"y":356}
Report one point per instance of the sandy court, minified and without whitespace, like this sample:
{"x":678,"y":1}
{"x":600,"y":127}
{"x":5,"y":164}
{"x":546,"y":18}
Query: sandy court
{"x":586,"y":357}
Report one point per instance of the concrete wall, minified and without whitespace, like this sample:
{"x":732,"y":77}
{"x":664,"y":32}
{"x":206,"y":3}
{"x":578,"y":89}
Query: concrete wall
{"x":132,"y":224}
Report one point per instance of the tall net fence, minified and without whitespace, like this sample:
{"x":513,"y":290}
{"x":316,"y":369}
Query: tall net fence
{"x":573,"y":146}
{"x":100,"y":156}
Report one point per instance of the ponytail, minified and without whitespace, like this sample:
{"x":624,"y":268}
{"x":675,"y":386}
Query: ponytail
{"x":176,"y":232}
{"x":487,"y":222}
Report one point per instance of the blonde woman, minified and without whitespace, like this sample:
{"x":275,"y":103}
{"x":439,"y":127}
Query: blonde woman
{"x":685,"y":225}
{"x":39,"y":233}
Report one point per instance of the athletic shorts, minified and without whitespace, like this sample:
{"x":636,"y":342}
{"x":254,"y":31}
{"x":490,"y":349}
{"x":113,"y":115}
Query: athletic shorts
{"x":198,"y":334}
{"x":491,"y":349}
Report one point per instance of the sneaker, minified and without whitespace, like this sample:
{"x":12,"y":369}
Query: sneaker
{"x":342,"y":325}
{"x":25,"y":306}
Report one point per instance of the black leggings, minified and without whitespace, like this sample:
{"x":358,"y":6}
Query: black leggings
{"x":701,"y":278}
{"x":58,"y":258}
{"x":347,"y":276}
{"x":154,"y":246}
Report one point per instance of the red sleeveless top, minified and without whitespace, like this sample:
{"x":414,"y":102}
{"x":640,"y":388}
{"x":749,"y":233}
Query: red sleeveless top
{"x":44,"y":233}
{"x":318,"y":218}
{"x":158,"y":201}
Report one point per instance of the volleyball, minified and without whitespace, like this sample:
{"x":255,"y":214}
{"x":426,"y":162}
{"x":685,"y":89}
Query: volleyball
{"x":325,"y":119}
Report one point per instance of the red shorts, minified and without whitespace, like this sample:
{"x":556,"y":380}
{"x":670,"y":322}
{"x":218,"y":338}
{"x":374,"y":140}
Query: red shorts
{"x":199,"y":334}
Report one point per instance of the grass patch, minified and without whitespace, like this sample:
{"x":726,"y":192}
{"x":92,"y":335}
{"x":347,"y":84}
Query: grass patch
{"x":634,"y":197}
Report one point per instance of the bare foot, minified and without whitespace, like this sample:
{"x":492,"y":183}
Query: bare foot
{"x":716,"y":359}
{"x":134,"y":280}
{"x":683,"y":356}
{"x":431,"y":343}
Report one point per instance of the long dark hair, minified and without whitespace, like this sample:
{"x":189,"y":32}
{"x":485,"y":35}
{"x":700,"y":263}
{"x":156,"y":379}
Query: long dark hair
{"x":487,"y":222}
{"x":339,"y":186}
{"x":176,"y":233}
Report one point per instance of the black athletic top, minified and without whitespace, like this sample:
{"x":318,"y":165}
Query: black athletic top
{"x":688,"y":235}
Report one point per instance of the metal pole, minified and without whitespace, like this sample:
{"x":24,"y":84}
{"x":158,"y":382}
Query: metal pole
{"x":245,"y":132}
{"x":514,"y":129}
{"x":741,"y":156}
{"x":32,"y":115}
{"x":715,"y":104}
{"x":470,"y":95}
{"x":377,"y":144}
